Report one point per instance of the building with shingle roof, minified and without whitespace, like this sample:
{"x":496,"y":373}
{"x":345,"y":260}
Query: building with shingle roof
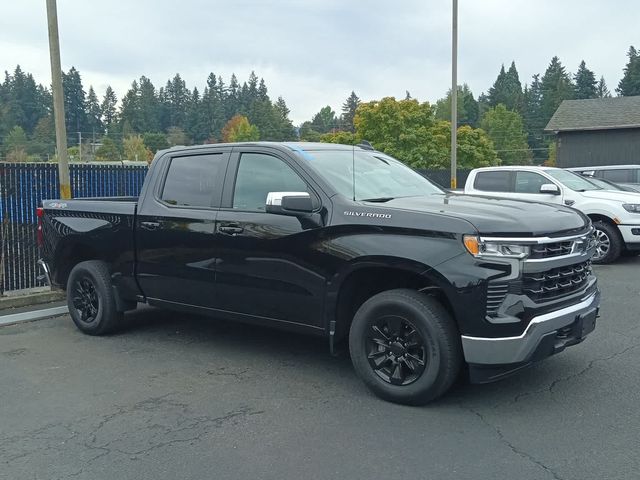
{"x":598,"y":131}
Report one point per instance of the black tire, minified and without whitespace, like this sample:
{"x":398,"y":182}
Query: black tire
{"x":609,"y":243}
{"x":90,"y":297}
{"x":435,"y":330}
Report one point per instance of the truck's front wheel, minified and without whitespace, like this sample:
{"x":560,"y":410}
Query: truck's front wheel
{"x":90,"y":298}
{"x":405,"y":347}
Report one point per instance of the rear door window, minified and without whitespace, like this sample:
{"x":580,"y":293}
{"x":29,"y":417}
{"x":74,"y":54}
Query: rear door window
{"x":622,"y":175}
{"x":498,"y":181}
{"x":194,"y":181}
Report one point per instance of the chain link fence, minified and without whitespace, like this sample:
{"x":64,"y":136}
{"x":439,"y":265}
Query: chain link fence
{"x":24,"y":185}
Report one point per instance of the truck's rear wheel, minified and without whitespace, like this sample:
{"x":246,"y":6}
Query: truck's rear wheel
{"x":405,"y":347}
{"x":608,"y":243}
{"x":90,"y":298}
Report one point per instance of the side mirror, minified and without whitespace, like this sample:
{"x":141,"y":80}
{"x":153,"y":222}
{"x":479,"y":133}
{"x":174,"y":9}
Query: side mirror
{"x":289,"y":203}
{"x":550,"y":189}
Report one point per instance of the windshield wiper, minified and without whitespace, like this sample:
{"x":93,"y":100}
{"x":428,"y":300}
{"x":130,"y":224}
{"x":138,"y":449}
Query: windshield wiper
{"x":377,"y":200}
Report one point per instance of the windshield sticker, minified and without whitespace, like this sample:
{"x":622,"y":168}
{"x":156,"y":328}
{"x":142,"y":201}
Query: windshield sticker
{"x":302,"y":152}
{"x":366,"y":214}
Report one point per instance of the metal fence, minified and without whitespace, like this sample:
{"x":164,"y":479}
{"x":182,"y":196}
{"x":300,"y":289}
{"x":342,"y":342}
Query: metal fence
{"x":22,"y":188}
{"x":24,"y":185}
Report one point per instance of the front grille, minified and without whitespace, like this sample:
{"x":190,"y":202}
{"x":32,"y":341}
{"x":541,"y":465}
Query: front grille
{"x":496,"y":294}
{"x":548,"y":250}
{"x":557,"y":282}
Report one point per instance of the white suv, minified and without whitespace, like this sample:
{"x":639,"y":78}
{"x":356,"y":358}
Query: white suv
{"x":626,"y":175}
{"x":615,"y":215}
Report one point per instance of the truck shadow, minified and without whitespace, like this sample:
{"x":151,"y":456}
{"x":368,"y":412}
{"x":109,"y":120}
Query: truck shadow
{"x":253,"y":346}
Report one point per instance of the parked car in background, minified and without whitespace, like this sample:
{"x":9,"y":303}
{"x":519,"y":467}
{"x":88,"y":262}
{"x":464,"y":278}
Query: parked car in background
{"x":609,"y":185}
{"x":623,"y":175}
{"x":615,"y":214}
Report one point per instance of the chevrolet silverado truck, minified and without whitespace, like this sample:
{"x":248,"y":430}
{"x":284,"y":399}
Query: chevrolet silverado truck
{"x":337,"y":241}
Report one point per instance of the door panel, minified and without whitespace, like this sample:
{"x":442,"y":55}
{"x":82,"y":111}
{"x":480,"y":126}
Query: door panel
{"x":266,"y":266}
{"x":175,"y":230}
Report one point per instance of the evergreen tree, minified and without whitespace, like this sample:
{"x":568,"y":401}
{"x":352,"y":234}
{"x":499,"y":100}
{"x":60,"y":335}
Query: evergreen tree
{"x":94,"y":122}
{"x":148,"y":116}
{"x":630,"y":83}
{"x":74,"y":102}
{"x":232,"y":102}
{"x":601,"y":89}
{"x":130,"y":113}
{"x":213,"y":108}
{"x":155,"y":141}
{"x":43,"y":140}
{"x":324,"y":120}
{"x":556,"y":86}
{"x":22,"y":102}
{"x":496,"y":93}
{"x":349,"y":108}
{"x":177,"y":98}
{"x":507,"y":89}
{"x":468,"y":108}
{"x":197,"y":124}
{"x":532,"y":116}
{"x":108,"y":110}
{"x":287,"y":131}
{"x":262,"y":90}
{"x":585,"y":81}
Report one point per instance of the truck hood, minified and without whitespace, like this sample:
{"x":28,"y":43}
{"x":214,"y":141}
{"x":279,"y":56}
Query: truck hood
{"x":497,"y":216}
{"x":623,"y":197}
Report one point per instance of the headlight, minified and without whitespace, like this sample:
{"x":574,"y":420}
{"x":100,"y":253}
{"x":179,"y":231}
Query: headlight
{"x":478,"y":248}
{"x":632,"y":207}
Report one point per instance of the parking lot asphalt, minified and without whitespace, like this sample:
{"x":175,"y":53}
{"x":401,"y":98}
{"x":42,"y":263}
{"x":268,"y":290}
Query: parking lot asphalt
{"x":173,"y":396}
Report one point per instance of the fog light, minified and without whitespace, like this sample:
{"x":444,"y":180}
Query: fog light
{"x":635,"y":231}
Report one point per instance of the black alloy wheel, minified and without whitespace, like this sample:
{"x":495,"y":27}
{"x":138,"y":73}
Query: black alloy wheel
{"x":396,"y":351}
{"x":405,"y":346}
{"x":91,"y":298}
{"x":86,"y":300}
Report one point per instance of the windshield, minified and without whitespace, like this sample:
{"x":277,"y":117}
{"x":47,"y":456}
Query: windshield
{"x":377,"y":176}
{"x":604,"y":184}
{"x":573,"y":180}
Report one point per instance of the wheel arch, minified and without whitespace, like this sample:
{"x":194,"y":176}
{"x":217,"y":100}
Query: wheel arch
{"x":71,"y":253}
{"x":367,"y":278}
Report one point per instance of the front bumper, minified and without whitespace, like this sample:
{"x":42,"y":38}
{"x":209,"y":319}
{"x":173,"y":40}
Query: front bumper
{"x":545,"y":335}
{"x":630,"y":235}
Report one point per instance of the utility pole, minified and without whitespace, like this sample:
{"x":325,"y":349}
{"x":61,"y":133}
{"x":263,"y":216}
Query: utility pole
{"x":58,"y":100}
{"x":80,"y":147}
{"x":454,"y":97}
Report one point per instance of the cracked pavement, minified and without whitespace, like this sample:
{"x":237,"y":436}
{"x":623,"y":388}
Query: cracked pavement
{"x":174,"y":396}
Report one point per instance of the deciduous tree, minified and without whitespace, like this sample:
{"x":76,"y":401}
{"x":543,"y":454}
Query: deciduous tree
{"x":238,"y":129}
{"x":506,"y":130}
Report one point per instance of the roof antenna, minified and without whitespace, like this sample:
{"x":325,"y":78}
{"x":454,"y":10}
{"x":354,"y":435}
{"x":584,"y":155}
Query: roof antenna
{"x":353,"y":170}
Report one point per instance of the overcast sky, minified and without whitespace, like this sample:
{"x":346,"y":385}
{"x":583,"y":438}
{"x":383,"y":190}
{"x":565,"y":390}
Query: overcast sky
{"x":314,"y":52}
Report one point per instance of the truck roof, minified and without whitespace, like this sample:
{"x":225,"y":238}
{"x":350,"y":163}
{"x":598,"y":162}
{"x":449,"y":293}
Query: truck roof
{"x":531,"y":168}
{"x":306,"y":146}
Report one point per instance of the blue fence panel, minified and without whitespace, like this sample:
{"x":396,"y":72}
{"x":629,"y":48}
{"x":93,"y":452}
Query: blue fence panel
{"x":23,"y":186}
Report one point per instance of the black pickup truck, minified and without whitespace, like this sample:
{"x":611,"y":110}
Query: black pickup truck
{"x":339,"y":241}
